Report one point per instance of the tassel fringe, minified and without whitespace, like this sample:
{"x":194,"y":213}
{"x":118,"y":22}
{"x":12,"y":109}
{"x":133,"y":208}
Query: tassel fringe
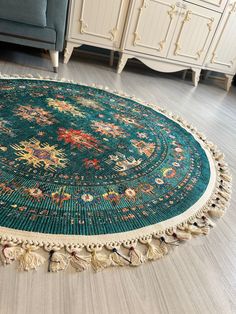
{"x":29,"y":259}
{"x":136,"y":257}
{"x":154,"y":252}
{"x":118,"y":259}
{"x":28,"y":254}
{"x":99,"y":261}
{"x":79,"y":263}
{"x":57,"y":261}
{"x":9,"y":254}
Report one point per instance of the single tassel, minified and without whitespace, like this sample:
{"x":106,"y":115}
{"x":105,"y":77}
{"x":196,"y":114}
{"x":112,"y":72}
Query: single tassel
{"x":202,"y":136}
{"x":99,"y":261}
{"x":207,"y":221}
{"x":205,"y":230}
{"x":226,"y":177}
{"x":57,"y":261}
{"x":163,"y":246}
{"x":153,"y":252}
{"x":182,"y":235}
{"x":225,"y":188}
{"x":136,"y":257}
{"x":202,"y":229}
{"x":218,"y":156}
{"x":199,"y":134}
{"x":215,"y":213}
{"x":10,"y":253}
{"x":218,"y":200}
{"x":175,"y":242}
{"x":223,"y":167}
{"x":225,"y":195}
{"x":194,"y":230}
{"x":204,"y":222}
{"x":118,"y":259}
{"x":30,"y":259}
{"x":211,"y":145}
{"x":78,"y":262}
{"x":222,"y":202}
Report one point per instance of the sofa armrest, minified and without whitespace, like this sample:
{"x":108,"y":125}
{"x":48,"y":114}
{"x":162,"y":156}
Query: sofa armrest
{"x":56,"y":18}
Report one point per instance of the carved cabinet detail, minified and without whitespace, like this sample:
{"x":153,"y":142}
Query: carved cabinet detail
{"x":193,"y":34}
{"x":98,"y":23}
{"x":152,"y":26}
{"x":222,"y":55}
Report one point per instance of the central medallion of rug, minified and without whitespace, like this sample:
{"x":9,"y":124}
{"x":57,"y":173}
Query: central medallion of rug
{"x":84,"y":166}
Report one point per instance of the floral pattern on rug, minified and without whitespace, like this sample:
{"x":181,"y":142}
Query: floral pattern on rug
{"x":78,"y":139}
{"x":64,"y":107}
{"x":37,"y":154}
{"x":79,"y":160}
{"x":39,"y":115}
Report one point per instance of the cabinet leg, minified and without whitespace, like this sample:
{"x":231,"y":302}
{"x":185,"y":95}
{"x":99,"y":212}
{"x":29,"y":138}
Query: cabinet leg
{"x":228,"y":81}
{"x":184,"y":74}
{"x":55,"y":59}
{"x":206,"y":74}
{"x":196,"y":76}
{"x":111,"y":61}
{"x":68,"y":51}
{"x":122,"y":62}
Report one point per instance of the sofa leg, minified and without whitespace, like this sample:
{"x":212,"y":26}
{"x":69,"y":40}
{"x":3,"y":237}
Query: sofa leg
{"x":54,"y":55}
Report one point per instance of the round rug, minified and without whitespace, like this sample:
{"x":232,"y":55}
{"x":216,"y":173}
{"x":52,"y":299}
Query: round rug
{"x":83,"y":168}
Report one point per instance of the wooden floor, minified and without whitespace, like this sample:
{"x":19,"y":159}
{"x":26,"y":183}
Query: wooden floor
{"x":198,"y":277}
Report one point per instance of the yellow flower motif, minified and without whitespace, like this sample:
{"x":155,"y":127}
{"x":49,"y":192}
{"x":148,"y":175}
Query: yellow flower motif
{"x":63,"y":106}
{"x":37,"y":154}
{"x":106,"y":128}
{"x":89,"y":103}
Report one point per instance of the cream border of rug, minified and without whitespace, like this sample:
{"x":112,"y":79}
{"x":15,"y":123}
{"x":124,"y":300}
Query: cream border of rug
{"x":97,"y":242}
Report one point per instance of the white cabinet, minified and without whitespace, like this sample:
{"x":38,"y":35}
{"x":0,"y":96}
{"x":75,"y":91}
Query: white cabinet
{"x":152,"y":25}
{"x":166,"y":35}
{"x":193,"y":34}
{"x":94,"y":22}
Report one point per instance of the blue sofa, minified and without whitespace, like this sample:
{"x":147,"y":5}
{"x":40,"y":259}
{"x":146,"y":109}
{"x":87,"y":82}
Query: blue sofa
{"x":35,"y":23}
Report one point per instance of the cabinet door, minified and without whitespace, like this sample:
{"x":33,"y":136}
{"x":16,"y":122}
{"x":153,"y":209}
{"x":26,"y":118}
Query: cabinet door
{"x":222,"y":53}
{"x":217,"y":5}
{"x":98,"y":22}
{"x":152,"y":24}
{"x":193,"y":35}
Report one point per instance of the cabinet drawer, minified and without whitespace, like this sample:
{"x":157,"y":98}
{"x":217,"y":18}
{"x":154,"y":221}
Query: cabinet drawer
{"x":152,"y":24}
{"x":193,"y":34}
{"x":98,"y":22}
{"x":217,"y":5}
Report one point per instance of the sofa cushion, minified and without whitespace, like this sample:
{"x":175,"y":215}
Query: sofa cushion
{"x":30,"y":32}
{"x":31,"y":12}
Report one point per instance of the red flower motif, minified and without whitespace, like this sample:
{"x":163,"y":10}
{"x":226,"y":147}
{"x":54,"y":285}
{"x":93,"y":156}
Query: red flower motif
{"x":92,"y":163}
{"x":78,"y":138}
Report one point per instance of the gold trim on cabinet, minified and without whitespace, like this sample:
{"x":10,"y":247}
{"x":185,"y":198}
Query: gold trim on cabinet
{"x":214,"y":54}
{"x":137,"y":38}
{"x":113,"y":32}
{"x":187,"y":18}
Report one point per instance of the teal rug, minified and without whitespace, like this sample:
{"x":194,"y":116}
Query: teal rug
{"x":83,"y":169}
